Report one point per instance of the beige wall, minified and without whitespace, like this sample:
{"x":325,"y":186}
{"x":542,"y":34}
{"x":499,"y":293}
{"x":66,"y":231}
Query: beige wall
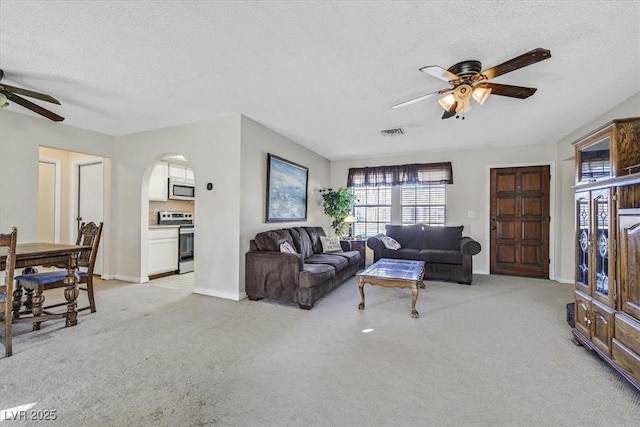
{"x":230,"y":152}
{"x":470,"y":191}
{"x":468,"y":194}
{"x":21,"y":136}
{"x":67,"y":192}
{"x":565,"y":156}
{"x":257,"y":142}
{"x":212,"y":149}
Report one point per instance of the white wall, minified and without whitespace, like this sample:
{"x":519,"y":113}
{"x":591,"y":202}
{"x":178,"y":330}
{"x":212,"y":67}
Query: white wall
{"x":469,"y":191}
{"x":212,"y":149}
{"x":21,"y":136}
{"x":257,"y":142}
{"x":566,"y":156}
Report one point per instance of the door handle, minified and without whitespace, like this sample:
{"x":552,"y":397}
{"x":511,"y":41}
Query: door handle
{"x":494,"y":228}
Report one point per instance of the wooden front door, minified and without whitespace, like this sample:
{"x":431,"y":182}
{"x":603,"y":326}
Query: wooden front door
{"x":520,"y":221}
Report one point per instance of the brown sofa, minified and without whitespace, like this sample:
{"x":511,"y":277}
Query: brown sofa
{"x":446,"y":253}
{"x":302,"y":277}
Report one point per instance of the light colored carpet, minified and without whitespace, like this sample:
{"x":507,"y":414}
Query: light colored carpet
{"x":498,"y":353}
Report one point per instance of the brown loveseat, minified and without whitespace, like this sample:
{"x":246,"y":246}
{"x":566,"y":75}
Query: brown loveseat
{"x":446,"y":253}
{"x":300,"y":277}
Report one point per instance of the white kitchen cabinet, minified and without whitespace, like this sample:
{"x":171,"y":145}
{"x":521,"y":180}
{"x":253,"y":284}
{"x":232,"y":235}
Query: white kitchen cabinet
{"x":180,"y":170}
{"x":163,"y":250}
{"x":158,"y":184}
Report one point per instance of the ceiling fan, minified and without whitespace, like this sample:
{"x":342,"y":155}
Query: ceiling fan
{"x":11,"y":93}
{"x":468,"y":81}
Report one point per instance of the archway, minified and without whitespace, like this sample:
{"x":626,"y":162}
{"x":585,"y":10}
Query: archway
{"x":167,"y":215}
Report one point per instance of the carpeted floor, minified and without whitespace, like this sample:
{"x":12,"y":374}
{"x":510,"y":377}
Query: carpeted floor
{"x":498,"y":353}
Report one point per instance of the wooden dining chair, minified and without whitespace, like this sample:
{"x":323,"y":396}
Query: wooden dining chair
{"x":89,"y":235}
{"x":8,"y":246}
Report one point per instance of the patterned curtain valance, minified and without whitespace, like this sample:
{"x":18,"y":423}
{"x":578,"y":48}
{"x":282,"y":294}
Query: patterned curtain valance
{"x":416,"y":173}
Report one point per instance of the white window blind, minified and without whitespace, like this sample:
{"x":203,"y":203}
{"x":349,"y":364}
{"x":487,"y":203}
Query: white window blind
{"x":372,"y":210}
{"x":423,"y":204}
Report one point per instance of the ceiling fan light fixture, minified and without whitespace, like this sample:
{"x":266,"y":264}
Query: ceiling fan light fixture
{"x":447,"y":102}
{"x":463,"y":107}
{"x":3,"y":101}
{"x":481,"y":94}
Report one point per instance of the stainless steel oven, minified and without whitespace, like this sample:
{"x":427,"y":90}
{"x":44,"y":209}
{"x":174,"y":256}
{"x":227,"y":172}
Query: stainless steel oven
{"x":185,"y":249}
{"x":185,"y":237}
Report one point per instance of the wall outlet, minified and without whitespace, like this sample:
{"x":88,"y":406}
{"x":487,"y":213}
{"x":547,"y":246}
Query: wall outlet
{"x":471,"y":214}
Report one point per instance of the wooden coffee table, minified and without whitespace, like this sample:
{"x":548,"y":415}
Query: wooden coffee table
{"x":394,"y":273}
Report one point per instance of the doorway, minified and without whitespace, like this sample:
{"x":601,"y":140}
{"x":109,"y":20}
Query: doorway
{"x":49,"y":200}
{"x":89,"y":190}
{"x":519,"y":221}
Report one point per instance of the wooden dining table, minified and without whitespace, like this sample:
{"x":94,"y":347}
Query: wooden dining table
{"x":48,"y":255}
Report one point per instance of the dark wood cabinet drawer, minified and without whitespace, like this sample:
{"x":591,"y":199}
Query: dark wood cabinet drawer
{"x":626,"y":359}
{"x":627,"y":331}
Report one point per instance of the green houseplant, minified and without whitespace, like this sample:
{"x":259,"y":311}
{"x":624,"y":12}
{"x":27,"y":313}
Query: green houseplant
{"x":337,"y":205}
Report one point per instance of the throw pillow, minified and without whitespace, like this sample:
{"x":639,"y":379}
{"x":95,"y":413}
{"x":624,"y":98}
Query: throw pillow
{"x":330,"y":244}
{"x":287,"y":248}
{"x":390,"y":243}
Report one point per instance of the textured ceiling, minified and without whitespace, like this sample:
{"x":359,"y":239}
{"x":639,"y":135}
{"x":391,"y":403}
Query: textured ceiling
{"x":323,"y":74}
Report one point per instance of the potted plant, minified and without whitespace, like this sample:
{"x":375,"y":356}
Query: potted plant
{"x":337,"y":205}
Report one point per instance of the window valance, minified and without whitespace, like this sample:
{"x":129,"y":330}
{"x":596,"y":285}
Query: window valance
{"x":416,"y":173}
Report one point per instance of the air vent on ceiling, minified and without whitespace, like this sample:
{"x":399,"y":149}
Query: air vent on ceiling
{"x":392,"y":132}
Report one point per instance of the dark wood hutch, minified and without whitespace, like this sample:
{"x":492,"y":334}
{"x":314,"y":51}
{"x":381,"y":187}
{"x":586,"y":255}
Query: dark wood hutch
{"x":607,"y":275}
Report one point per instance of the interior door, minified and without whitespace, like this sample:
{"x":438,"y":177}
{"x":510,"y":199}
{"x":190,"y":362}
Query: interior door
{"x":519,"y":241}
{"x":47,"y":218}
{"x":90,"y":200}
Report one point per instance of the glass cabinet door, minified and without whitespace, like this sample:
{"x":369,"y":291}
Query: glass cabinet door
{"x":594,"y":159}
{"x":603,"y":261}
{"x":583,"y":242}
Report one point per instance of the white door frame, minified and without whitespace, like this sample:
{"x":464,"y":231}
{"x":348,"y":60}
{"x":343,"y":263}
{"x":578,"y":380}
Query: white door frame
{"x":57,"y":196}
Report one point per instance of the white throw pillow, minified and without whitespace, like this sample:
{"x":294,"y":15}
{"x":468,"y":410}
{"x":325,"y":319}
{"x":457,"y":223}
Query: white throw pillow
{"x":330,"y":244}
{"x":287,"y":248}
{"x":390,"y":243}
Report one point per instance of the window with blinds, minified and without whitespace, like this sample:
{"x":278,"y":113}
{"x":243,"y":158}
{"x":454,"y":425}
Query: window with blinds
{"x":423,"y":204}
{"x":595,"y":164}
{"x":372,"y":210}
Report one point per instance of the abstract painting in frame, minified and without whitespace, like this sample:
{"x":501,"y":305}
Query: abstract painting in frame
{"x":287,"y":184}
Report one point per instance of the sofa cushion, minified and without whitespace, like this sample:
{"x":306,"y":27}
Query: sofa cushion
{"x":409,"y":236}
{"x":441,"y":256}
{"x":272,"y":239}
{"x":330,"y":244}
{"x":315,"y":274}
{"x":338,"y":262}
{"x":314,"y":234}
{"x":402,"y":253}
{"x":435,"y":237}
{"x":352,"y":257}
{"x":302,"y":241}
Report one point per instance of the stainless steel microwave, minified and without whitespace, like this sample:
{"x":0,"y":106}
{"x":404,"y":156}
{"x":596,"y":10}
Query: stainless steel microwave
{"x":182,"y":189}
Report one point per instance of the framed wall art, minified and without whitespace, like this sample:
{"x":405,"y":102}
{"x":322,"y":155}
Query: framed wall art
{"x":287,"y":184}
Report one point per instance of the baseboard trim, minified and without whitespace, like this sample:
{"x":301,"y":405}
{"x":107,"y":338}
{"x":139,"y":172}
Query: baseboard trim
{"x":565,"y":281}
{"x":131,"y":279}
{"x":225,"y":295}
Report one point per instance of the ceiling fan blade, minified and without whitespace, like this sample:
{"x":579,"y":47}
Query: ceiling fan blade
{"x":508,"y":90}
{"x":29,"y":93}
{"x":420,"y":98}
{"x":439,"y":73}
{"x":531,"y":57}
{"x":451,"y":111}
{"x":31,"y":106}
